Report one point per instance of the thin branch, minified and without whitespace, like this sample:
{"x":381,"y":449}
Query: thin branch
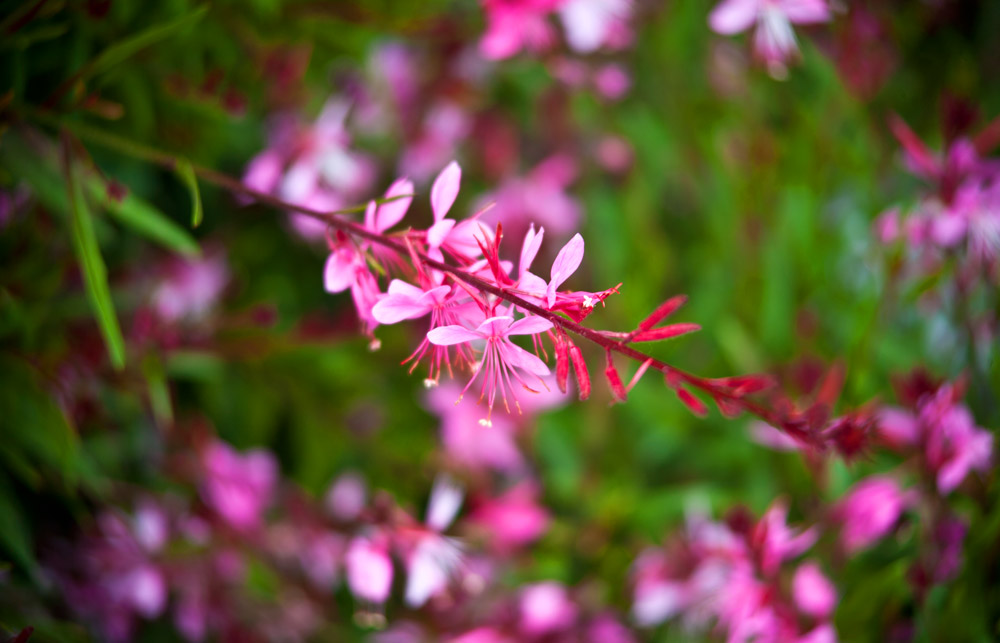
{"x":600,"y":338}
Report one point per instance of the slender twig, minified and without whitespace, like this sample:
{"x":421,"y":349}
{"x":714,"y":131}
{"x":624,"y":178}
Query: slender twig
{"x":601,"y":338}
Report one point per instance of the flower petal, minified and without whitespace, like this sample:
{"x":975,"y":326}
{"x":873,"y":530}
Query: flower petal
{"x":444,"y":503}
{"x":389,"y":214}
{"x":392,"y":309}
{"x":445,"y":190}
{"x":438,"y":232}
{"x":450,"y":335}
{"x":532,"y":242}
{"x":339,"y":271}
{"x":529,"y":326}
{"x":566,"y":263}
{"x":733,"y":16}
{"x":526,"y":361}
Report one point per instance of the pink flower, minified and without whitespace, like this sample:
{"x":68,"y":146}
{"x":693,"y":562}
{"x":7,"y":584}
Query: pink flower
{"x":513,"y":519}
{"x":238,"y":487}
{"x":546,"y":608}
{"x":461,"y":239}
{"x":946,"y":433}
{"x":512,"y":25}
{"x":346,"y":497}
{"x":814,"y":593}
{"x":539,"y":198}
{"x":435,"y":557}
{"x":369,"y":568}
{"x":502,"y":359}
{"x":612,"y":81}
{"x":591,"y":24}
{"x":774,"y":40}
{"x":775,"y":542}
{"x":870,"y":511}
{"x":190,"y":288}
{"x":445,"y":127}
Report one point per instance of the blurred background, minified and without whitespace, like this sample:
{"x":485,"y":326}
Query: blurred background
{"x":142,"y":354}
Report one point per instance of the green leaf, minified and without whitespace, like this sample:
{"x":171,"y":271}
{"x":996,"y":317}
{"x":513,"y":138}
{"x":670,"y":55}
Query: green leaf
{"x":123,"y":50}
{"x":186,"y":172}
{"x":144,"y":219}
{"x":132,"y":211}
{"x":92,"y":264}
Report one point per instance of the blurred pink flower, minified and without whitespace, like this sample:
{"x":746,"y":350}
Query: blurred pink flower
{"x":444,"y":128}
{"x":513,"y":25}
{"x":592,"y":24}
{"x":538,"y":198}
{"x":774,"y":40}
{"x":512,"y":519}
{"x":775,"y":542}
{"x":546,"y":608}
{"x":238,"y":487}
{"x":612,"y":81}
{"x":469,"y":442}
{"x":434,"y":558}
{"x":813,"y":592}
{"x":346,"y":497}
{"x":369,"y":568}
{"x":946,"y":433}
{"x":870,"y":510}
{"x":190,"y":288}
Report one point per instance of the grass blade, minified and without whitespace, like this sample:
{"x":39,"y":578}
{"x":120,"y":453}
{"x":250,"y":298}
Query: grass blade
{"x":186,"y":172}
{"x":91,"y":263}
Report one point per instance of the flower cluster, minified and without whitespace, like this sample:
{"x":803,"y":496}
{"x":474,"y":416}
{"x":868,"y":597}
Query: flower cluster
{"x":734,"y":574}
{"x":961,"y":214}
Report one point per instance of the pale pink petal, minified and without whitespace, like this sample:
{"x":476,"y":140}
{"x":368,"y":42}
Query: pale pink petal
{"x":424,"y":576}
{"x":389,"y":214}
{"x":517,"y":356}
{"x":444,"y":503}
{"x":146,"y":590}
{"x":657,"y":602}
{"x":495,"y":326}
{"x":264,"y":171}
{"x":820,"y":634}
{"x":445,"y":190}
{"x":529,"y":326}
{"x":449,"y":335}
{"x":299,"y":181}
{"x":339,"y":271}
{"x":392,"y":309}
{"x":733,"y":16}
{"x":566,"y":263}
{"x":806,"y":11}
{"x":369,"y":570}
{"x":400,"y":287}
{"x":587,"y":22}
{"x":813,"y":592}
{"x":438,"y":232}
{"x":532,"y":242}
{"x":370,"y":211}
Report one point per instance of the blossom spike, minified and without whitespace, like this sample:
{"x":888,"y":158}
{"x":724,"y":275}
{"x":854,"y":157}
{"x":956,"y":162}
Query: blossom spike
{"x":666,"y":332}
{"x":694,"y":405}
{"x":580,"y":369}
{"x":664,"y":310}
{"x":614,"y":380}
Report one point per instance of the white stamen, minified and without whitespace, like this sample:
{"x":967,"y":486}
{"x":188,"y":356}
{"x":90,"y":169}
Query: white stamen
{"x":485,"y":422}
{"x":430,"y":383}
{"x":374,"y":345}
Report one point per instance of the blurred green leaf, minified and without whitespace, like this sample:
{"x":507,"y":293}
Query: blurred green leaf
{"x":186,"y":172}
{"x":92,"y":264}
{"x":144,"y":219}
